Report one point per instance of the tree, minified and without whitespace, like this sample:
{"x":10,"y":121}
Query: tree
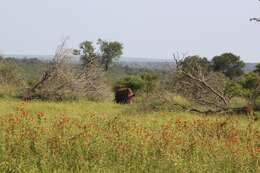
{"x":228,"y":64}
{"x":62,"y":80}
{"x":92,"y":81}
{"x":235,"y":89}
{"x":251,"y":82}
{"x":257,"y":19}
{"x":92,"y":72}
{"x":109,"y":51}
{"x":194,"y":64}
{"x":257,"y":70}
{"x":135,"y":82}
{"x":194,"y":81}
{"x":149,"y":78}
{"x":58,"y":81}
{"x":87,"y":52}
{"x":105,"y":53}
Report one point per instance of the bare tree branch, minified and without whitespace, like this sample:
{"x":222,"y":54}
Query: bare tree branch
{"x":194,"y":81}
{"x":62,"y":79}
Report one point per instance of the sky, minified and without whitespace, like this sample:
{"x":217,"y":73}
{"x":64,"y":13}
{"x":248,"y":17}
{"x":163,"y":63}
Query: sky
{"x":147,"y":28}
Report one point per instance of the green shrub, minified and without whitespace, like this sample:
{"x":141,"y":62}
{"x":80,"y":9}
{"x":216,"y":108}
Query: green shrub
{"x":135,"y":82}
{"x":150,"y":78}
{"x":10,"y":73}
{"x":234,"y":89}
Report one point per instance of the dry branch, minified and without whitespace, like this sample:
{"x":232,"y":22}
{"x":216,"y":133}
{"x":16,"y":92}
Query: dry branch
{"x":197,"y":83}
{"x":65,"y":79}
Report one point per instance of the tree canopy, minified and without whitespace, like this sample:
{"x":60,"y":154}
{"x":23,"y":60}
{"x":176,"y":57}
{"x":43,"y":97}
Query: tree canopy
{"x":257,"y":70}
{"x":105,"y":53}
{"x":109,"y":51}
{"x":194,"y":63}
{"x":228,"y":64}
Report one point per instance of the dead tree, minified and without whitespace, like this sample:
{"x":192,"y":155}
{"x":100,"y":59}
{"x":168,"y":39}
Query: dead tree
{"x":57,"y":81}
{"x":194,"y":81}
{"x":63,"y":79}
{"x":91,"y":80}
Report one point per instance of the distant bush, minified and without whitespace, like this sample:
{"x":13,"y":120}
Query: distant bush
{"x":135,"y":82}
{"x":150,"y":80}
{"x":11,"y":78}
{"x":142,"y":82}
{"x":10,"y":73}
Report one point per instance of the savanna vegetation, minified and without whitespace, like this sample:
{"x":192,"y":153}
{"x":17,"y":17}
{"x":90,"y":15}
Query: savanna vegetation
{"x":197,"y":115}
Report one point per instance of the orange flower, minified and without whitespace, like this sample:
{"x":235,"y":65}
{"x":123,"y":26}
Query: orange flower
{"x":257,"y":149}
{"x":40,"y":114}
{"x":24,"y":114}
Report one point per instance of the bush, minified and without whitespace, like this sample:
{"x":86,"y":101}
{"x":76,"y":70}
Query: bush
{"x":234,"y":89}
{"x":135,"y":82}
{"x":11,"y":79}
{"x":150,"y":78}
{"x":10,"y":73}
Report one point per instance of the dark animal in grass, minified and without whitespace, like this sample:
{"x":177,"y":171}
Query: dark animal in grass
{"x":124,"y":95}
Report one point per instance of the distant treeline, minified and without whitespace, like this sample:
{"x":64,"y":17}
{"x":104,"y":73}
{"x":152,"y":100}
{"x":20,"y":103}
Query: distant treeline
{"x":210,"y":85}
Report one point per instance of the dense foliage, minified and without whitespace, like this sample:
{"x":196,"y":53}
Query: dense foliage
{"x":105,"y":53}
{"x":229,"y":64}
{"x":210,"y":84}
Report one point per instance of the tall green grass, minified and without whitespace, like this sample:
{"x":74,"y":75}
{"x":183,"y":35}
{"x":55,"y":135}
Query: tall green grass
{"x":87,"y":136}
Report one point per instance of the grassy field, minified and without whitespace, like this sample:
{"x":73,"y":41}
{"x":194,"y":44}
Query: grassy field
{"x":104,"y":137}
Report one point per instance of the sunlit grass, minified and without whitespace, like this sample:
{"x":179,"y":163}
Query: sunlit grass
{"x":85,"y":136}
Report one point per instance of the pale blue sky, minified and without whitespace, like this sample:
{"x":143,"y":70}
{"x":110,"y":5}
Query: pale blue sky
{"x":147,"y":28}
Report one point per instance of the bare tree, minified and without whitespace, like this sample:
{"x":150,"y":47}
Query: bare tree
{"x":91,"y":81}
{"x":195,"y":81}
{"x":63,"y":79}
{"x":57,"y":80}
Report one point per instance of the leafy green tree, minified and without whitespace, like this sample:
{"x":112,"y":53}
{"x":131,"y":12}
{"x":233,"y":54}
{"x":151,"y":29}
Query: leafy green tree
{"x":109,"y":51}
{"x":250,"y":80}
{"x":87,"y":52}
{"x":234,"y":89}
{"x":105,"y":53}
{"x":228,"y":64}
{"x":135,"y":82}
{"x":257,"y":70}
